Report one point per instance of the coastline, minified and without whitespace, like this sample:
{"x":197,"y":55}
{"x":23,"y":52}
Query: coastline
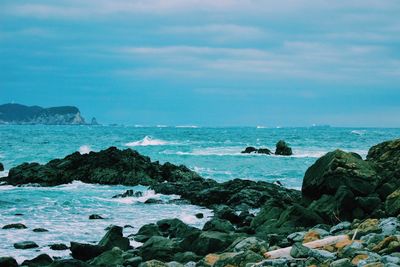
{"x":283,"y":212}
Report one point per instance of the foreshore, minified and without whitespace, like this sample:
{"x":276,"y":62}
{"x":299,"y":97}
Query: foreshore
{"x":343,"y":196}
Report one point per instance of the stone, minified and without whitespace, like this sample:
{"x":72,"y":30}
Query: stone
{"x":199,"y":215}
{"x":340,"y":227}
{"x":389,"y":226}
{"x":85,"y":252}
{"x":175,"y":228}
{"x":146,"y":232}
{"x":110,"y":258}
{"x":240,"y":259}
{"x":283,"y":149}
{"x":296,"y":236}
{"x":95,"y":217}
{"x":159,"y":248}
{"x":114,"y":238}
{"x":40,"y":230}
{"x":1,"y":167}
{"x":209,"y":242}
{"x":153,"y":201}
{"x":311,"y":236}
{"x":25,"y":245}
{"x":392,"y":203}
{"x":69,"y":263}
{"x":219,"y":225}
{"x":58,"y":247}
{"x":153,"y":263}
{"x":249,"y":243}
{"x":341,"y":263}
{"x":322,"y":255}
{"x":368,"y":226}
{"x":134,"y":262}
{"x":299,"y":251}
{"x":8,"y":262}
{"x":39,"y":261}
{"x":14,"y":226}
{"x":186,"y":257}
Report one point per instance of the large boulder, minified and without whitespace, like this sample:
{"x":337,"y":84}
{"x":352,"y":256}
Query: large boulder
{"x":8,"y":262}
{"x":209,"y":242}
{"x":110,"y":166}
{"x":114,"y":238}
{"x":110,"y":258}
{"x":159,"y":248}
{"x":1,"y":167}
{"x":219,"y":225}
{"x":69,"y":263}
{"x":283,"y":149}
{"x":175,"y":228}
{"x":85,"y":252}
{"x":39,"y":261}
{"x":392,"y":203}
{"x":339,"y":168}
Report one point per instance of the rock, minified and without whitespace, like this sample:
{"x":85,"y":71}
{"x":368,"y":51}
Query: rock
{"x":94,"y":121}
{"x":39,"y":261}
{"x":274,"y":262}
{"x":153,"y":263}
{"x":69,"y":263}
{"x":199,"y":215}
{"x":134,"y":262}
{"x":58,"y":247}
{"x":389,"y":226}
{"x":153,"y":201}
{"x":8,"y":262}
{"x":209,"y":242}
{"x":240,"y":259}
{"x":129,"y":193}
{"x":368,"y":226}
{"x":110,"y":166}
{"x":251,"y":149}
{"x":110,"y":258}
{"x":95,"y":217}
{"x":341,"y":263}
{"x":392,"y":203}
{"x":114,"y":238}
{"x":299,"y":251}
{"x":283,"y":149}
{"x":14,"y":226}
{"x":146,"y":232}
{"x":185,"y":257}
{"x":322,"y":255}
{"x":249,"y":243}
{"x":340,"y":227}
{"x":85,"y":252}
{"x":175,"y":228}
{"x":25,"y":245}
{"x":1,"y":167}
{"x":40,"y":230}
{"x":219,"y":225}
{"x":159,"y":248}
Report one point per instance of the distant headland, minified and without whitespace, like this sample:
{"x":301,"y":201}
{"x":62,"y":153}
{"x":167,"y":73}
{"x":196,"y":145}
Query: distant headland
{"x":20,"y":114}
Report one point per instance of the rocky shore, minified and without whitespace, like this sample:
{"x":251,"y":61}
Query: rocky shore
{"x":346,"y":213}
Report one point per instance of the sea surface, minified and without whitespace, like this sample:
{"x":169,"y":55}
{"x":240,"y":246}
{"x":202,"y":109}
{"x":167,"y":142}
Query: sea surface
{"x":212,"y":152}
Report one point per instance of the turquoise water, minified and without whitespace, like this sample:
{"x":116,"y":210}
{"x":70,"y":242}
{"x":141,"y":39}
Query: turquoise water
{"x":213,"y":152}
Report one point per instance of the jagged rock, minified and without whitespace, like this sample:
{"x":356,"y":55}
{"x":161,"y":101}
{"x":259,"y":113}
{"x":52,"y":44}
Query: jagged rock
{"x":129,"y":193}
{"x":249,"y":150}
{"x":94,"y":121}
{"x":153,"y":201}
{"x":39,"y":261}
{"x":114,"y":238}
{"x":134,"y":262}
{"x":85,"y":252}
{"x":8,"y":262}
{"x":159,"y":248}
{"x":283,"y":149}
{"x":199,"y":215}
{"x":25,"y":245}
{"x":95,"y":217}
{"x":240,"y":259}
{"x":14,"y":226}
{"x":187,"y":256}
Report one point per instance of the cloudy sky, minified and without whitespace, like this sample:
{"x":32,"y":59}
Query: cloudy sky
{"x":206,"y":62}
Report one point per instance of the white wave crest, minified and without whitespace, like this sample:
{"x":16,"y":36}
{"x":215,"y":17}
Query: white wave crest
{"x":85,"y":149}
{"x":187,"y":126}
{"x":147,"y":141}
{"x":359,"y":132}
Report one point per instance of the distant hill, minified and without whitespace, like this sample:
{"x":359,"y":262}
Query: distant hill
{"x":21,"y":114}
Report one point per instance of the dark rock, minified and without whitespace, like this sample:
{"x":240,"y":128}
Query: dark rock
{"x":219,"y":225}
{"x":299,"y":251}
{"x":69,"y":263}
{"x":25,"y":245}
{"x":1,"y":167}
{"x":15,"y":226}
{"x":283,"y":149}
{"x":175,"y":228}
{"x":58,"y":247}
{"x":110,"y":166}
{"x":153,"y":263}
{"x":240,"y":259}
{"x":392,"y":203}
{"x":39,"y":261}
{"x":129,"y":193}
{"x":187,"y":256}
{"x":95,"y":217}
{"x":199,"y":215}
{"x":159,"y":248}
{"x":40,"y":230}
{"x":146,"y":232}
{"x":134,"y":262}
{"x":110,"y":258}
{"x":85,"y":252}
{"x":18,"y":214}
{"x":209,"y":242}
{"x":114,"y":238}
{"x":153,"y":201}
{"x":250,"y":149}
{"x":8,"y":262}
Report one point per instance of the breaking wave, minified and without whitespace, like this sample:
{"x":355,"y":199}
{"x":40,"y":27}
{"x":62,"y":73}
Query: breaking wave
{"x":148,"y":141}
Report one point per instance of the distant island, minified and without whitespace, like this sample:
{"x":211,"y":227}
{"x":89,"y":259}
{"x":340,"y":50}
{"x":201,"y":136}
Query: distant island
{"x":21,"y":114}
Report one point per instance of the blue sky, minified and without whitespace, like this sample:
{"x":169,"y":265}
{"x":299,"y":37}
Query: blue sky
{"x":215,"y":63}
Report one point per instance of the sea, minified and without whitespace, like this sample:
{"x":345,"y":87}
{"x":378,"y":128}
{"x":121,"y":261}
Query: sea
{"x":212,"y":152}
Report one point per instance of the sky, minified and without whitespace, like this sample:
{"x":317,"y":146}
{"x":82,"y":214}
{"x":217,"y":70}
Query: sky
{"x":206,"y":62}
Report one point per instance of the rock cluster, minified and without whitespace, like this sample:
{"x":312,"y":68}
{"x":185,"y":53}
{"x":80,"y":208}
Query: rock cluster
{"x":282,"y":149}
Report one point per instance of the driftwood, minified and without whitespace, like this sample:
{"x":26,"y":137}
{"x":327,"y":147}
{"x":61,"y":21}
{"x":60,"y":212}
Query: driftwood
{"x":285,"y":252}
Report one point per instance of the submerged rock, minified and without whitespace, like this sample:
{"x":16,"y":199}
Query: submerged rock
{"x":129,"y":193}
{"x":95,"y":217}
{"x":40,"y":230}
{"x":283,"y":149}
{"x":250,"y":149}
{"x":15,"y":226}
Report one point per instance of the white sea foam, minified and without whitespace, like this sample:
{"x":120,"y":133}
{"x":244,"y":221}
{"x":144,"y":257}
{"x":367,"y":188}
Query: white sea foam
{"x":187,"y":126}
{"x":359,"y":132}
{"x":210,"y":151}
{"x":148,"y":141}
{"x":261,"y":127}
{"x":85,"y":149}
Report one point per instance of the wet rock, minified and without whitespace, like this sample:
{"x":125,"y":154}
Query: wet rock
{"x":14,"y":226}
{"x":340,"y":227}
{"x":129,"y":193}
{"x":175,"y":228}
{"x":134,"y":262}
{"x":95,"y":217}
{"x":219,"y":225}
{"x":69,"y":263}
{"x":40,"y":230}
{"x":85,"y":252}
{"x":146,"y":232}
{"x":110,"y":258}
{"x":210,"y":242}
{"x":366,"y":227}
{"x":153,"y":201}
{"x":39,"y":261}
{"x":274,"y":262}
{"x":299,"y":251}
{"x":1,"y":167}
{"x":187,"y":256}
{"x":159,"y":248}
{"x":25,"y":245}
{"x":58,"y":247}
{"x":199,"y":215}
{"x":8,"y":262}
{"x":283,"y":149}
{"x":249,"y":243}
{"x":114,"y":238}
{"x":392,"y":203}
{"x":250,"y":149}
